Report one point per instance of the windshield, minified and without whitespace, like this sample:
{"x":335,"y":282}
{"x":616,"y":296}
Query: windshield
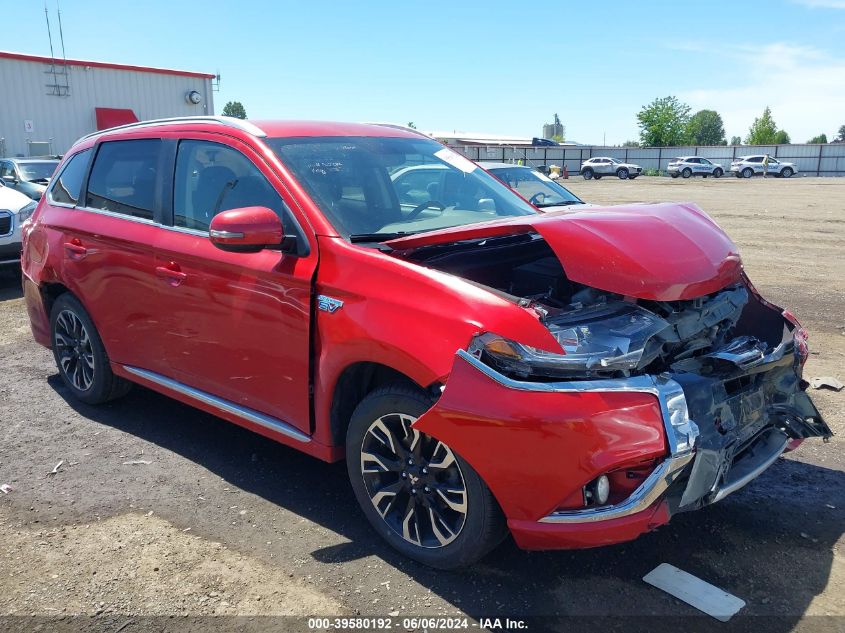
{"x":537,"y":188}
{"x":37,"y":171}
{"x":373,"y":189}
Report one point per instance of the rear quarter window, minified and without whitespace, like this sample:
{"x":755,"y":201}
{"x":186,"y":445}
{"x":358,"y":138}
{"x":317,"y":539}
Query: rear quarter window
{"x":67,"y":186}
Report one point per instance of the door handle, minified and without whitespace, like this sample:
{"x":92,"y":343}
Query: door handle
{"x":75,"y":249}
{"x":172,"y":273}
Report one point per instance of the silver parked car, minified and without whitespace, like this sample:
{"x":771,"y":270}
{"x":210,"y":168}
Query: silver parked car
{"x":748,"y":166}
{"x":599,"y":166}
{"x":686,"y":166}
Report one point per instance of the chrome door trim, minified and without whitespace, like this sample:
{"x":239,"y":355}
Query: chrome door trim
{"x":244,"y":413}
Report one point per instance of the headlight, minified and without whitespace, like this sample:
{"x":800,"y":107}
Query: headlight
{"x":603,"y":338}
{"x":26,"y":212}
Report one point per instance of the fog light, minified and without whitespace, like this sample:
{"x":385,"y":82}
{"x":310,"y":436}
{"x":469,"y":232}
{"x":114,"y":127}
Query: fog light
{"x":602,"y":488}
{"x":597,"y":491}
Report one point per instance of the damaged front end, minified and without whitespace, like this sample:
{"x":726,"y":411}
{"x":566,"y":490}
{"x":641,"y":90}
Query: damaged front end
{"x":725,"y":368}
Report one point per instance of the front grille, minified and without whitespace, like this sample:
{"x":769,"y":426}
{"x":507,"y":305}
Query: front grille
{"x":5,"y":223}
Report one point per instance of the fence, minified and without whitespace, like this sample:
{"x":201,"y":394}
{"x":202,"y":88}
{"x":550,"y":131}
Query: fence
{"x":810,"y":160}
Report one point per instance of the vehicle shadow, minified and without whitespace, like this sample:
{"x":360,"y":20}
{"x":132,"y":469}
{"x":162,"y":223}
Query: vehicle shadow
{"x":10,"y":283}
{"x":770,"y":544}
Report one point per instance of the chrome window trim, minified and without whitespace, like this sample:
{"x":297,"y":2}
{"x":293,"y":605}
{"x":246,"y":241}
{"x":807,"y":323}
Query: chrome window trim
{"x":681,"y":435}
{"x":121,"y":216}
{"x":244,"y":413}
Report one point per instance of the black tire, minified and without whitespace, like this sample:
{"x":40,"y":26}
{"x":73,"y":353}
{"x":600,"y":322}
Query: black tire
{"x":686,"y":173}
{"x":718,"y":173}
{"x":674,"y":175}
{"x":587,"y":173}
{"x":747,"y":172}
{"x":80,"y":355}
{"x":597,"y":177}
{"x":622,"y":173}
{"x":482,"y":526}
{"x":787,"y":172}
{"x":738,"y":174}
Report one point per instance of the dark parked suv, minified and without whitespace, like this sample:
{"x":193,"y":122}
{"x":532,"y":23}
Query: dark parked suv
{"x":573,"y":377}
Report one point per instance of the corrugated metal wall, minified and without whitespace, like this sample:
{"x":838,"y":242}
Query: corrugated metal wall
{"x":25,"y":97}
{"x":810,"y":160}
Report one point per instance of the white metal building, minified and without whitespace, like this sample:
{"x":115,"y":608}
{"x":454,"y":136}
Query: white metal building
{"x":47,"y":103}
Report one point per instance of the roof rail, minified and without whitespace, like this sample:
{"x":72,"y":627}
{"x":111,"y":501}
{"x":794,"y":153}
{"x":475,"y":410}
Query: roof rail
{"x":241,"y":124}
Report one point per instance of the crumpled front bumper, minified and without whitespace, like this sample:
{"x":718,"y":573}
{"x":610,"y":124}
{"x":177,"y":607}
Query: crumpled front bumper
{"x":536,"y":445}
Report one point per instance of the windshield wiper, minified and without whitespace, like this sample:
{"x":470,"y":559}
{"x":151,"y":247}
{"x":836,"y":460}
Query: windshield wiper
{"x":357,"y":238}
{"x":563,"y":203}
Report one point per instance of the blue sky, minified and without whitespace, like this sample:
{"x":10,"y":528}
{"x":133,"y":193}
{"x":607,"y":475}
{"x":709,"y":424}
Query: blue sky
{"x":497,"y":67}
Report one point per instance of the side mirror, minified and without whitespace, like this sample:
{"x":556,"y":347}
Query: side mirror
{"x":246,"y":230}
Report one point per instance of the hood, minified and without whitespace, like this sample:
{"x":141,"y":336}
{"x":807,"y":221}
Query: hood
{"x":662,"y":252}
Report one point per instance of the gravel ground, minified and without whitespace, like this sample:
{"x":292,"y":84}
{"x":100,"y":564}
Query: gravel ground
{"x":161,"y":510}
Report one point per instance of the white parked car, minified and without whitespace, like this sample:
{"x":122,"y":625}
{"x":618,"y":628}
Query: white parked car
{"x":686,"y":166}
{"x":15,"y":209}
{"x":748,"y":166}
{"x":599,"y":166}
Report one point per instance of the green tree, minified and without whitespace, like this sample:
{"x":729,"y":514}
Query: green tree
{"x":841,"y":137}
{"x":630,"y":144}
{"x":705,"y":127}
{"x":411,"y":125}
{"x":821,"y":138}
{"x":663,"y":122}
{"x":735,"y":140}
{"x":763,"y":131}
{"x":782,"y":138}
{"x":235,"y":109}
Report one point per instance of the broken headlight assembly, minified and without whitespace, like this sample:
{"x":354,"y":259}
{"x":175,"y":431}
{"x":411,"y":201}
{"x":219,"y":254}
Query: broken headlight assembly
{"x":604,"y":339}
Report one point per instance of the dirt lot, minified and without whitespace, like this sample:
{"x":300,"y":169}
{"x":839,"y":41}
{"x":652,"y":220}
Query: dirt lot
{"x":212,"y":520}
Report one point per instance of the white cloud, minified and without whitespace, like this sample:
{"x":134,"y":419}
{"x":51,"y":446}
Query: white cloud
{"x":801,"y":84}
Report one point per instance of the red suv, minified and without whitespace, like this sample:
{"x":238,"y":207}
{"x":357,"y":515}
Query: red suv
{"x":572,"y":378}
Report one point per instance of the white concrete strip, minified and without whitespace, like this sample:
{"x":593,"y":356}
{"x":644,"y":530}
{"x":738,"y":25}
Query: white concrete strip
{"x":694,"y":591}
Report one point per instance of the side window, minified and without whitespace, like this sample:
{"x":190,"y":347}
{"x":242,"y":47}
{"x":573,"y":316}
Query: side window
{"x":211,"y":177}
{"x":123,"y":178}
{"x":65,"y":188}
{"x":6,"y":170}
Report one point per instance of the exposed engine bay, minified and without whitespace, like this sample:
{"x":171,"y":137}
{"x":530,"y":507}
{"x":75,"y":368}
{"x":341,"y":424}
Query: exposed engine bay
{"x":737,"y":357}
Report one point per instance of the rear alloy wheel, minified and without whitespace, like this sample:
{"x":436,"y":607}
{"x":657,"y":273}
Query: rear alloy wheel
{"x":747,"y":172}
{"x":587,"y":173}
{"x":622,"y":173}
{"x":718,"y":173}
{"x":686,"y":173}
{"x":787,"y":172}
{"x":424,"y":499}
{"x":80,"y":356}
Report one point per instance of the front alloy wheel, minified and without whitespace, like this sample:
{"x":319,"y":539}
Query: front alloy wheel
{"x":414,"y":482}
{"x":423,"y":498}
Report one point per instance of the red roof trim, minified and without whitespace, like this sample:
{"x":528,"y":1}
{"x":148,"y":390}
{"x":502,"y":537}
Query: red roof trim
{"x":80,"y":62}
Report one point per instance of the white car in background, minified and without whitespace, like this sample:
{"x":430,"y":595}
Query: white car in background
{"x":748,"y":166}
{"x":599,"y":166}
{"x":686,"y":166}
{"x":15,"y":209}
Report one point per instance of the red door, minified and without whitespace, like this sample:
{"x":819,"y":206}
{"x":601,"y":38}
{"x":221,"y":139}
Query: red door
{"x":104,"y":245}
{"x":237,"y":325}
